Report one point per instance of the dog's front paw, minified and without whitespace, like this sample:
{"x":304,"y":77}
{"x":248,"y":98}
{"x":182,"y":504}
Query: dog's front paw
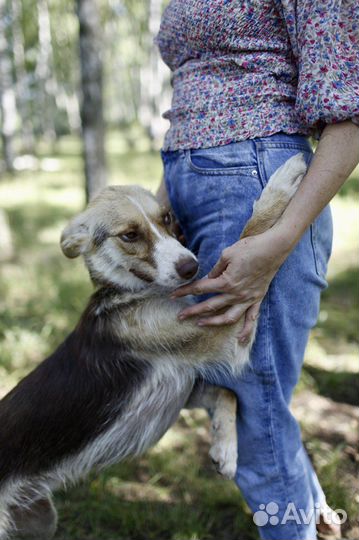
{"x":287,"y":178}
{"x":223,"y":453}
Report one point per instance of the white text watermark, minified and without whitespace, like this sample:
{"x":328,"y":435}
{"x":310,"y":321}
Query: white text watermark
{"x":267,"y":515}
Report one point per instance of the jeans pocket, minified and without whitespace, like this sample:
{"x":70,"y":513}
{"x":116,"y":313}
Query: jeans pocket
{"x":271,"y":156}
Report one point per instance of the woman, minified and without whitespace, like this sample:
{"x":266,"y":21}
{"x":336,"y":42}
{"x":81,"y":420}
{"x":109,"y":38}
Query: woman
{"x":251,"y":80}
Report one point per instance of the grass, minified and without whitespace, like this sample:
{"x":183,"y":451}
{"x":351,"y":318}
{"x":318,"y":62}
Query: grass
{"x":172,"y":492}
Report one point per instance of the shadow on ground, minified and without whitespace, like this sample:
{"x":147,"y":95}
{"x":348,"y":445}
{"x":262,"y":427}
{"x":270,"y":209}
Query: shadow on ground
{"x":340,"y":304}
{"x":159,"y":497}
{"x":339,"y":386}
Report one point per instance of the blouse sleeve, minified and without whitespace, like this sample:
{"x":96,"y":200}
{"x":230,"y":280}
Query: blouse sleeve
{"x":325,"y":40}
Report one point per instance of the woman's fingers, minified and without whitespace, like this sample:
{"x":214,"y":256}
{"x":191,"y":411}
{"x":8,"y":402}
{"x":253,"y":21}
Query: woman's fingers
{"x":214,"y":282}
{"x":208,"y":306}
{"x":251,"y":316}
{"x":202,"y":286}
{"x":218,"y":268}
{"x":231,"y":316}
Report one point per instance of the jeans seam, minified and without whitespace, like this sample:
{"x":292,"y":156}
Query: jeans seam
{"x":271,"y":427}
{"x":259,"y":151}
{"x":313,"y":241}
{"x":295,"y":146}
{"x":261,"y":170}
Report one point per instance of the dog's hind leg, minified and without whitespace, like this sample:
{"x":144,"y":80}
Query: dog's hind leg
{"x":5,"y":524}
{"x":221,"y":405}
{"x":275,"y":197}
{"x":38,"y":520}
{"x":8,"y":496}
{"x":26,"y":510}
{"x":224,"y":447}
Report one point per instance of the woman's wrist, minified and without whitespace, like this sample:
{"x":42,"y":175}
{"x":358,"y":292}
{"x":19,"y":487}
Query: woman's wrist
{"x":284,"y":236}
{"x":289,"y":231}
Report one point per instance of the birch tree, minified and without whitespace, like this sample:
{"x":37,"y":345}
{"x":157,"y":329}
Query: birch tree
{"x":91,"y":95}
{"x":21,"y":78}
{"x":154,"y":77}
{"x":6,"y":241}
{"x":44,"y":71}
{"x":7,"y":92}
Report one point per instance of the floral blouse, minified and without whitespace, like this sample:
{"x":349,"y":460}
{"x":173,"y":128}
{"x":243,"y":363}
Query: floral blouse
{"x":249,"y":68}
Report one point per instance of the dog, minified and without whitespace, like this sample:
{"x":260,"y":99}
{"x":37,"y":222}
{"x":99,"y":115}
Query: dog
{"x":119,"y":380}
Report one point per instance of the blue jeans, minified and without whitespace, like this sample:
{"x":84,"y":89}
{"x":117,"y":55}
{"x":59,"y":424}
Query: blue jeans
{"x":212,"y":193}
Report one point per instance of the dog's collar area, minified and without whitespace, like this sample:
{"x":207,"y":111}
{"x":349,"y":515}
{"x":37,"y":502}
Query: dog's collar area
{"x":108,"y":297}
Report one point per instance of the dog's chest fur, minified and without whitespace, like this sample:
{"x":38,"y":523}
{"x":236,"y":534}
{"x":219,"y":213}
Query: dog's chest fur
{"x":148,"y":323}
{"x":112,"y":389}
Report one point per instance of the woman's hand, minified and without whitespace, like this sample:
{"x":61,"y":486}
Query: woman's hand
{"x":242,"y":276}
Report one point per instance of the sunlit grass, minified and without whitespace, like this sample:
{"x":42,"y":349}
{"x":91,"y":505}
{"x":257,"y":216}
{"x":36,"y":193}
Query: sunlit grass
{"x":172,"y":493}
{"x":346,"y":234}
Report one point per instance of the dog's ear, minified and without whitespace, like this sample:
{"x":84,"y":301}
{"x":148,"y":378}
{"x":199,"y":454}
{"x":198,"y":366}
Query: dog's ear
{"x":76,"y":238}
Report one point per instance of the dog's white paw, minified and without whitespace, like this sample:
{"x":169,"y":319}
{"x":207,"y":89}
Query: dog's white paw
{"x":224,"y":454}
{"x":288,"y":177}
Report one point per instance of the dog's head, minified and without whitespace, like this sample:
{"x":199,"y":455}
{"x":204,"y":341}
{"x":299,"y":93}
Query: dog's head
{"x":126,"y":239}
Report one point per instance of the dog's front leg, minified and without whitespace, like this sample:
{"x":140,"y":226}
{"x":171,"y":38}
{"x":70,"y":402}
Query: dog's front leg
{"x":221,"y":405}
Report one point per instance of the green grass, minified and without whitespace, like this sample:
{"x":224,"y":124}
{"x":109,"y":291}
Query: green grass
{"x":169,"y":494}
{"x":172,"y":493}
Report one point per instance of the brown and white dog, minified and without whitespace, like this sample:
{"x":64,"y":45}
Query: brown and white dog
{"x":119,"y":380}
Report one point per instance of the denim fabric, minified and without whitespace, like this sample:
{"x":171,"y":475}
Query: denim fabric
{"x":212,"y":193}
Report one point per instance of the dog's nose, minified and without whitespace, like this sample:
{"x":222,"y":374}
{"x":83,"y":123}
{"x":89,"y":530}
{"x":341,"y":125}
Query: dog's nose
{"x":187,"y":267}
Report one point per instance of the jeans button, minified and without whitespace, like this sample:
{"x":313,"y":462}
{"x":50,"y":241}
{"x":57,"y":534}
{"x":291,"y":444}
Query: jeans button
{"x":254,"y":172}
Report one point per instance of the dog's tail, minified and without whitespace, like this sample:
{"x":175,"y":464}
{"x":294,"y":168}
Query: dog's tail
{"x":275,"y":197}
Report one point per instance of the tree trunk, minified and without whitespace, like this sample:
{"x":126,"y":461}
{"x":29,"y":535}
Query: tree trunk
{"x":7,"y":93}
{"x":153,"y":78}
{"x":70,"y":104}
{"x":44,"y":71}
{"x":6,"y":242}
{"x":21,"y":76}
{"x":92,"y":96}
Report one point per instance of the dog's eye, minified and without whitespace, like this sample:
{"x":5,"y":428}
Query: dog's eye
{"x":167,"y":219}
{"x":130,"y":236}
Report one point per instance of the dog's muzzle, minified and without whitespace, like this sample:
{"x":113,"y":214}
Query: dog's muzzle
{"x":187,"y":267}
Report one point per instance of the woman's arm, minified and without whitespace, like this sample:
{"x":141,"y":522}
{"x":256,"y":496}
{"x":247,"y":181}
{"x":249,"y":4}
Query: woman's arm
{"x":245,"y":269}
{"x":336,"y":157}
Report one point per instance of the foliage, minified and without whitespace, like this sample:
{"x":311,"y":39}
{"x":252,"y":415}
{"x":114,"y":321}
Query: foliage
{"x":43,"y":48}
